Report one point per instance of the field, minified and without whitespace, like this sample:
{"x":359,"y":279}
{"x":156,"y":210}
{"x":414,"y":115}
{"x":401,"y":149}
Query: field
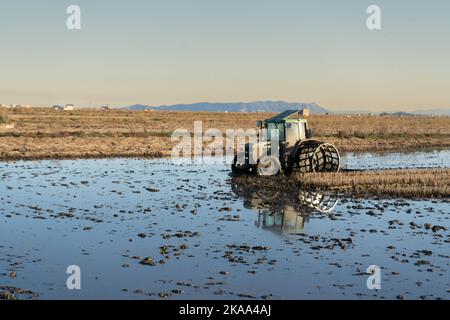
{"x":42,"y":133}
{"x":135,"y":225}
{"x":150,"y":229}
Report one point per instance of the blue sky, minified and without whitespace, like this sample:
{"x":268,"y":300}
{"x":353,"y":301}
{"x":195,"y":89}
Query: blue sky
{"x":178,"y":51}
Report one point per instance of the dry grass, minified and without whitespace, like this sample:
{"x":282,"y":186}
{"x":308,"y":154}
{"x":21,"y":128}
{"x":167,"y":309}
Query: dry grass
{"x":4,"y":119}
{"x":46,"y":133}
{"x":414,"y":183}
{"x":407,"y":183}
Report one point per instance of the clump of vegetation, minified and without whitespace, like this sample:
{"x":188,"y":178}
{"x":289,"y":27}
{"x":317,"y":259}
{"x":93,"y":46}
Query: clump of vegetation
{"x":408,"y":183}
{"x":422,"y":183}
{"x":4,"y":119}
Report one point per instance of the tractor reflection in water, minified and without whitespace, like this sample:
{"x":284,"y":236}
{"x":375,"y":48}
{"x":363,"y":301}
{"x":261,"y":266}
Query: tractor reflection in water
{"x":284,"y":212}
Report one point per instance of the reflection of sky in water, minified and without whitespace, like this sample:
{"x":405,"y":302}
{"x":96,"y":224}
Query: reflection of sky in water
{"x":110,"y":196}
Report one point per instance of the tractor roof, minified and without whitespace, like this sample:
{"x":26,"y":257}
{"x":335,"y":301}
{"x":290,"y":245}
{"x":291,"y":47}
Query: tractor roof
{"x":287,"y":116}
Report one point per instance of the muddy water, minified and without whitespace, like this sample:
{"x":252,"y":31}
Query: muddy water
{"x":209,"y":237}
{"x":397,"y":160}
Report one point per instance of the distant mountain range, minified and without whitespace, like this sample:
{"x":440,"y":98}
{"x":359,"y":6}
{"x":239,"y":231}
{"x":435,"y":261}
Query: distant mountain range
{"x":430,"y":112}
{"x":274,"y":107}
{"x":258,"y":106}
{"x":434,"y":112}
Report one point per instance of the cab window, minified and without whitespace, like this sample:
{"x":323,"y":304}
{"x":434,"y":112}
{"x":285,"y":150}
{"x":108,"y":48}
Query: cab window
{"x":292,"y":133}
{"x":273,"y":129}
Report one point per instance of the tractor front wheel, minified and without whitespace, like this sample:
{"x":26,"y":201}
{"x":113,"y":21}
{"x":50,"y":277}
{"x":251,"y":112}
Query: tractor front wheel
{"x":268,"y":166}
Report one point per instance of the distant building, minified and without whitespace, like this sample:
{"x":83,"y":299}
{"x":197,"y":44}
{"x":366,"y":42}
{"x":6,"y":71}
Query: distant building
{"x":69,"y":107}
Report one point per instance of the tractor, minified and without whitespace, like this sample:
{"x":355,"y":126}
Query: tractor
{"x":285,"y":145}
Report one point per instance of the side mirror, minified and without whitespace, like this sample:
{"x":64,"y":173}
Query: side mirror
{"x":259,"y":124}
{"x":309,"y":134}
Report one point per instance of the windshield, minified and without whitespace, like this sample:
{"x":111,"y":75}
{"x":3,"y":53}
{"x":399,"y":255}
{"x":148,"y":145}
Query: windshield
{"x":275,"y":129}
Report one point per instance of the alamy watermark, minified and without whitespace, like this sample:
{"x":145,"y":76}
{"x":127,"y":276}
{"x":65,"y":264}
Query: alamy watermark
{"x":215,"y":146}
{"x":373,"y":21}
{"x":374,"y":280}
{"x":73,"y":282}
{"x":73,"y":22}
{"x":374,"y":18}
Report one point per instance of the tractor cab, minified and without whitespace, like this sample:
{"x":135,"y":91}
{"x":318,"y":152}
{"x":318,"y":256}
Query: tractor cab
{"x":290,"y":126}
{"x":283,"y":134}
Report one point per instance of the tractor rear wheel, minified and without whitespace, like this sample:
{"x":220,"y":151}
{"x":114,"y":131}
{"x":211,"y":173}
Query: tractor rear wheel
{"x":316,"y":156}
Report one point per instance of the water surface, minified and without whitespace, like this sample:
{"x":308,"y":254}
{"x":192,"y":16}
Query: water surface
{"x":210,"y":237}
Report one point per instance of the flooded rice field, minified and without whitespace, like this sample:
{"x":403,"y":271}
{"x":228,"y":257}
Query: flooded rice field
{"x":398,"y":160}
{"x":150,"y":229}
